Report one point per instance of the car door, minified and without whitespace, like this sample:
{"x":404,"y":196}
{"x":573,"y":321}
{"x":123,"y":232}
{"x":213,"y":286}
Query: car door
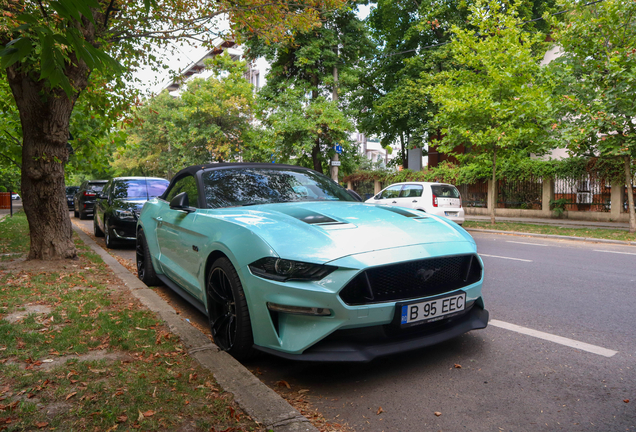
{"x":178,"y":239}
{"x":101,"y":205}
{"x":410,"y":196}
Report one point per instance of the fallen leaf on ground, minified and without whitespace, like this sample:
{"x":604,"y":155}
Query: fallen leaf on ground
{"x":303,"y":391}
{"x":41,"y":425}
{"x":626,"y":400}
{"x":148,"y":413}
{"x":141,"y":417}
{"x":437,"y":413}
{"x":380,"y":410}
{"x":122,"y":418}
{"x":282,"y":383}
{"x":70,"y":395}
{"x":458,"y":366}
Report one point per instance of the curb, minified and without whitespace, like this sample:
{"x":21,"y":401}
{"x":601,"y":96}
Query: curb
{"x":554,"y":236}
{"x":260,"y":402}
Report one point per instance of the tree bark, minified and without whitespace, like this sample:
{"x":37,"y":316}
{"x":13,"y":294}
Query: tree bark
{"x":315,"y":156}
{"x":630,"y":195}
{"x":45,"y":116}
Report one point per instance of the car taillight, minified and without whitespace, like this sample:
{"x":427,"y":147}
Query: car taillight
{"x":88,"y":194}
{"x":434,"y":200}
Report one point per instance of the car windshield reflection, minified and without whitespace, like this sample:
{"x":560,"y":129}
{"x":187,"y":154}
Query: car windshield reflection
{"x":139,"y":189}
{"x":253,"y":186}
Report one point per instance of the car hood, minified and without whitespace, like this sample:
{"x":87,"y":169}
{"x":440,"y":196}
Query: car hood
{"x":128,"y":204}
{"x":325,"y":231}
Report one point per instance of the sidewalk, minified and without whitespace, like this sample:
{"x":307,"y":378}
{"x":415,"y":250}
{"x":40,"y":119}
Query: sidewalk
{"x":570,"y":223}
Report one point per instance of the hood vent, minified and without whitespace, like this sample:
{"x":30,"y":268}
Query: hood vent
{"x":310,"y":217}
{"x":403,"y":212}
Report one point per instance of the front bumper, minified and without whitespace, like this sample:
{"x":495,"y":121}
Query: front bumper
{"x":366,"y":344}
{"x":125,"y":231}
{"x":351,"y":332}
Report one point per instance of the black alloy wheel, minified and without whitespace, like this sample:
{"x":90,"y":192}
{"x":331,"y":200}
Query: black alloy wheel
{"x":75,"y":213}
{"x":108,"y":233}
{"x":229,"y":316}
{"x":145,"y":270}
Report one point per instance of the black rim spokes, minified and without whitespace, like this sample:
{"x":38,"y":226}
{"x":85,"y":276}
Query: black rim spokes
{"x":140,"y":259}
{"x":222,"y":309}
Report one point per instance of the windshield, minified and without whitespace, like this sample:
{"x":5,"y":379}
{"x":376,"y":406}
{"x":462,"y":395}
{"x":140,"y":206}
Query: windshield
{"x":250,"y":186}
{"x":445,"y":191}
{"x":139,"y":188}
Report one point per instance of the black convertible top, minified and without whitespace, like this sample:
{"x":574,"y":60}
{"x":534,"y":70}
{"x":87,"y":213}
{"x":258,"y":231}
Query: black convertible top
{"x":192,"y":170}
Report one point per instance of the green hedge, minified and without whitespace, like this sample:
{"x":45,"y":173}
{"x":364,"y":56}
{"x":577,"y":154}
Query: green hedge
{"x":522,"y":169}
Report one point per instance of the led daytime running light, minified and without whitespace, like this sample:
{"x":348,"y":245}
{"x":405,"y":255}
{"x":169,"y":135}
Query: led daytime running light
{"x":298,"y":310}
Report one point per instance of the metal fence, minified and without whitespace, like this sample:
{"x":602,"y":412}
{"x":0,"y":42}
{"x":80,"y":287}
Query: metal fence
{"x":364,"y":188}
{"x":625,"y":200}
{"x":586,"y":193}
{"x":520,"y":194}
{"x":474,"y":195}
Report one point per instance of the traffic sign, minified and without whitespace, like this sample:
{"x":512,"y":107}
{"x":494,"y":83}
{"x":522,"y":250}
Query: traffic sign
{"x":338,"y":148}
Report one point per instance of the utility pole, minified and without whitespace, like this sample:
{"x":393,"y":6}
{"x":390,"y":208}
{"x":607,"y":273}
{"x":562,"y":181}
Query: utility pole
{"x":334,"y":167}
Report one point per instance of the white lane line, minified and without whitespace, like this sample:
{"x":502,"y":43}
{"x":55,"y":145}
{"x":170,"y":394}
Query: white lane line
{"x":533,"y":244}
{"x":508,"y":258}
{"x":553,"y":338}
{"x":624,"y":253}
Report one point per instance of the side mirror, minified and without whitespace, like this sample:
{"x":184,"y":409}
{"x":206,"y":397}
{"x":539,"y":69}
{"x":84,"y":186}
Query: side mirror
{"x":377,"y":197}
{"x":181,"y":202}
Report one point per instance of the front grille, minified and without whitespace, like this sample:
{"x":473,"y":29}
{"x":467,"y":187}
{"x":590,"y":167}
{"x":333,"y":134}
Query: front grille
{"x":412,"y":279}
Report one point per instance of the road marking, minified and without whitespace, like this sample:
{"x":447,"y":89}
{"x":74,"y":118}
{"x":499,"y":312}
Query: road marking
{"x":508,"y":258}
{"x":624,"y":253}
{"x":553,"y":338}
{"x":533,"y":244}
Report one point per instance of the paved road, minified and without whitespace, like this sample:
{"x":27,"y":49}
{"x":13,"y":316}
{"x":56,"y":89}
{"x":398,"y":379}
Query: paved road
{"x":573,"y":372}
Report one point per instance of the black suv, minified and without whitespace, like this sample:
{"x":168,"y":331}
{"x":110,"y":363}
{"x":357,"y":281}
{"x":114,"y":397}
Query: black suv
{"x":119,"y":204}
{"x":70,"y":195}
{"x":85,"y":197}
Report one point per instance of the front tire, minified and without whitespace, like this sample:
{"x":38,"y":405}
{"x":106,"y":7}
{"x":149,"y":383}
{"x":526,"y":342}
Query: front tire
{"x":108,"y":233}
{"x":229,"y":315}
{"x":82,"y":215}
{"x":145,"y":270}
{"x":96,"y":229}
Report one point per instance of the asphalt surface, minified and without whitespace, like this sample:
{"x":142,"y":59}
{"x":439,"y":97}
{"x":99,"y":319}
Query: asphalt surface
{"x":498,"y":379}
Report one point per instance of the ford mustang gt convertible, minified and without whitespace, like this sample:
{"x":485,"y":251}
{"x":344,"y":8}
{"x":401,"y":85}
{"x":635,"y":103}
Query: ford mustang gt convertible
{"x":285,"y":261}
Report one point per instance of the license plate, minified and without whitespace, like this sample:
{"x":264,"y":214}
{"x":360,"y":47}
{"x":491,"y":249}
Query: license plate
{"x":450,"y":213}
{"x":432,"y":310}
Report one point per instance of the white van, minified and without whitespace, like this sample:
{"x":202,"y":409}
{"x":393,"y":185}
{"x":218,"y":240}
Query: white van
{"x":440,"y":199}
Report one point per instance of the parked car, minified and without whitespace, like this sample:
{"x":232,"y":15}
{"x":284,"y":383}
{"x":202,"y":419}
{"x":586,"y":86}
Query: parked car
{"x":15,"y":196}
{"x":84,"y":199}
{"x":118,"y":205}
{"x":283,"y":260}
{"x":70,"y":196}
{"x":440,"y":199}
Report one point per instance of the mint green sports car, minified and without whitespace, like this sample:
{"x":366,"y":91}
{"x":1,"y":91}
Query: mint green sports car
{"x":285,"y":261}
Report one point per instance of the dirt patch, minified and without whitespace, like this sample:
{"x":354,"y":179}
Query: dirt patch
{"x":55,"y":409}
{"x":28,"y":310}
{"x":46,"y":364}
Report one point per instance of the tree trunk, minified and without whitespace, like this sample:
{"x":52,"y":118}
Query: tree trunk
{"x":45,"y":116}
{"x":630,"y":195}
{"x":405,"y":160}
{"x":315,"y":156}
{"x":494,"y":185}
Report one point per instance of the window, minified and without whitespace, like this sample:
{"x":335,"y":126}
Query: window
{"x":188,"y":185}
{"x":445,"y":191}
{"x":391,"y":192}
{"x":251,"y":186}
{"x":411,"y":191}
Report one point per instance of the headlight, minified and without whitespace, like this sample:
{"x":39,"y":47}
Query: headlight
{"x":283,"y":270}
{"x":125,"y":215}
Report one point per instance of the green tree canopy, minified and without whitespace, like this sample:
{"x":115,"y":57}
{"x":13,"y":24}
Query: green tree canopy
{"x":493,"y":104}
{"x":595,"y":77}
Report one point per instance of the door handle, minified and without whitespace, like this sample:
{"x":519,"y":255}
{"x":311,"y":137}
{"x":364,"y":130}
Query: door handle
{"x":393,"y":202}
{"x":159,"y":221}
{"x":414,"y":201}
